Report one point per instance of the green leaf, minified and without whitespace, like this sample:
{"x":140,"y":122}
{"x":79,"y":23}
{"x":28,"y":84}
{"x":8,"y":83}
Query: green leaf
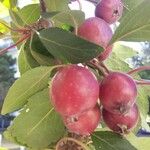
{"x":3,"y":11}
{"x":16,"y":19}
{"x":30,"y":83}
{"x":67,"y":47}
{"x":3,"y":29}
{"x":25,"y":16}
{"x":105,"y":140}
{"x":49,"y":15}
{"x":117,"y":59}
{"x":27,"y":53}
{"x":143,"y":104}
{"x":22,"y":61}
{"x":57,"y":5}
{"x":38,"y":125}
{"x":71,"y":17}
{"x":30,"y":14}
{"x":16,"y":35}
{"x":42,"y":59}
{"x":115,"y":63}
{"x":143,"y":94}
{"x":135,"y":25}
{"x":129,"y":5}
{"x":8,"y":135}
{"x":9,"y":3}
{"x":40,"y":53}
{"x":140,"y":143}
{"x":123,"y":52}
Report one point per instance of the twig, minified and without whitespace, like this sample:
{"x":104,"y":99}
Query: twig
{"x":140,"y":82}
{"x":96,"y":64}
{"x":143,"y":68}
{"x":42,"y":6}
{"x":19,"y":41}
{"x":143,"y":82}
{"x":105,"y":67}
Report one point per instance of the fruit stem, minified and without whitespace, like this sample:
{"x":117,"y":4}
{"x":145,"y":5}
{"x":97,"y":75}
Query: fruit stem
{"x":143,"y":68}
{"x":96,"y":64}
{"x":19,"y":41}
{"x":65,"y":139}
{"x":142,"y":82}
{"x":105,"y":67}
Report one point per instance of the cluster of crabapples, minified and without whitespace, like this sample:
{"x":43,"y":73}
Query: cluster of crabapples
{"x":80,"y":98}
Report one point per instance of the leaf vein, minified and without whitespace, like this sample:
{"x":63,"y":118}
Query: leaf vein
{"x":105,"y":142}
{"x":132,"y":31}
{"x":34,"y":127}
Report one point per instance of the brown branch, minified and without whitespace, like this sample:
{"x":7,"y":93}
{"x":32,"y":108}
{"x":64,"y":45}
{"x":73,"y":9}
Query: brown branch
{"x":142,"y":82}
{"x":142,"y":68}
{"x":42,"y":6}
{"x":3,"y":51}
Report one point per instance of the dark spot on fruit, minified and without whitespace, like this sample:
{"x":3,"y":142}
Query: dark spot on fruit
{"x":121,"y":108}
{"x":116,"y":12}
{"x":75,"y":119}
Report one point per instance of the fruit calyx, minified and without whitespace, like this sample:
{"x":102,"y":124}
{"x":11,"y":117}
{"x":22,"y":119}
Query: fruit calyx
{"x":109,"y":10}
{"x":121,"y":123}
{"x":118,"y":92}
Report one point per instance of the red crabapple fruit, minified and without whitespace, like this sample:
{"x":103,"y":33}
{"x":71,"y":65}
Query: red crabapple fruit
{"x":74,"y":89}
{"x":118,"y":92}
{"x":85,"y":123}
{"x":109,"y":10}
{"x":122,"y":124}
{"x":97,"y":31}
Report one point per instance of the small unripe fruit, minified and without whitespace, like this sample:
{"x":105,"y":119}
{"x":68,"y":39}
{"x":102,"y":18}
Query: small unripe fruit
{"x":118,"y":92}
{"x":122,"y":124}
{"x":97,"y":31}
{"x":85,"y":123}
{"x":109,"y":10}
{"x":74,"y":89}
